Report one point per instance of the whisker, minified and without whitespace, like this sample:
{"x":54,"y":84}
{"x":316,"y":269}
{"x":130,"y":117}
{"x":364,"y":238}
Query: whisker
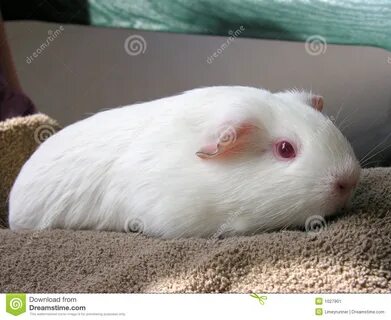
{"x":380,"y":151}
{"x":375,"y":162}
{"x":373,"y":149}
{"x":338,"y":113}
{"x":342,"y":126}
{"x":348,"y":124}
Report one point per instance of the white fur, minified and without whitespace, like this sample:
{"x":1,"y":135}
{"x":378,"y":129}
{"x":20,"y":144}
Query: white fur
{"x":138,"y":163}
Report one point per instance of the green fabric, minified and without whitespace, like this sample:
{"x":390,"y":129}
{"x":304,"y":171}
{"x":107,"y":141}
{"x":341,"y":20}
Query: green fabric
{"x":358,"y":22}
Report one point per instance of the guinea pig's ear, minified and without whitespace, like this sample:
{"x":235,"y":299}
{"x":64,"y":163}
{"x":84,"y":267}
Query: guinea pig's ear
{"x":317,"y":102}
{"x":228,"y":139}
{"x":313,"y":100}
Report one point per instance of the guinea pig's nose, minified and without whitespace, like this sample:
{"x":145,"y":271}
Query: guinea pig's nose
{"x":342,"y":186}
{"x":345,"y":186}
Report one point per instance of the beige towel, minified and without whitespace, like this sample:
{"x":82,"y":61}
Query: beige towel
{"x":19,"y":137}
{"x":352,"y":254}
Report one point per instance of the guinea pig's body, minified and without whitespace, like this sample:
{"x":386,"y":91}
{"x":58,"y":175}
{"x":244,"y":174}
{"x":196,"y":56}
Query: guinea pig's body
{"x":202,"y":163}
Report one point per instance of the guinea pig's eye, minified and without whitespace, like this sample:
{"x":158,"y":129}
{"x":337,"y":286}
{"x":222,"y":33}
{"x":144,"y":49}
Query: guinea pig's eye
{"x":284,"y":150}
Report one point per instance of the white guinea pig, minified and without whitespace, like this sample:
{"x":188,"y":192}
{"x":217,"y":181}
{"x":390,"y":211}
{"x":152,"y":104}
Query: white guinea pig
{"x":219,"y":160}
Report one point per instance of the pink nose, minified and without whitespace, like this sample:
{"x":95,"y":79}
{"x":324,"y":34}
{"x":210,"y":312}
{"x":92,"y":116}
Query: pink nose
{"x":345,"y":186}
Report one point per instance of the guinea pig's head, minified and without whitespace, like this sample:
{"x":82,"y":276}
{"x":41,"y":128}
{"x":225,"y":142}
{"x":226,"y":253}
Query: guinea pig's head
{"x":290,"y":161}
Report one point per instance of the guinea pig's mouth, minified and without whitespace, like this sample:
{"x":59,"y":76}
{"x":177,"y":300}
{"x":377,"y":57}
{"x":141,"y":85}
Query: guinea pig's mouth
{"x":338,"y":205}
{"x":342,"y":184}
{"x":348,"y":203}
{"x":315,"y":224}
{"x":347,"y":200}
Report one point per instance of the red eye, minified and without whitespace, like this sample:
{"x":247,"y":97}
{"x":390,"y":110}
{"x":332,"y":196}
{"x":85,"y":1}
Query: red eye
{"x":285,"y":150}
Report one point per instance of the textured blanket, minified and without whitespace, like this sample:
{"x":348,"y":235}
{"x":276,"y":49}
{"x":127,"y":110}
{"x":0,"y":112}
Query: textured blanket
{"x":19,"y":137}
{"x":351,"y":253}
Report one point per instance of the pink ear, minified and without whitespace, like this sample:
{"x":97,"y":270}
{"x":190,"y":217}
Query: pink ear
{"x":317,"y":103}
{"x":307,"y":97}
{"x":228,"y":139}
